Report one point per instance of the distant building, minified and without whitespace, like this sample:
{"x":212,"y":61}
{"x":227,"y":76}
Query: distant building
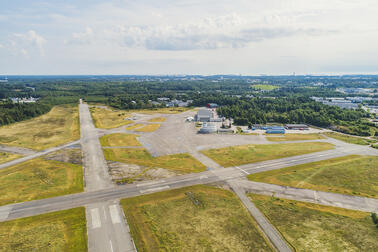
{"x":212,"y":105}
{"x":204,"y":115}
{"x":275,"y":131}
{"x":296,"y":126}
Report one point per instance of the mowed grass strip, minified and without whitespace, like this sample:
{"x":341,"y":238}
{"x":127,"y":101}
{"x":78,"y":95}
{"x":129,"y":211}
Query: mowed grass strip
{"x":245,"y":154}
{"x":38,"y":179}
{"x":311,"y":227}
{"x":57,"y":231}
{"x":349,"y":139}
{"x":109,"y":118}
{"x":149,"y":128}
{"x":135,"y":126}
{"x":293,"y":137}
{"x":6,"y":157}
{"x":119,"y":139}
{"x":157,"y":119}
{"x":197,"y":218}
{"x":355,"y":175}
{"x":181,"y":163}
{"x":59,"y":126}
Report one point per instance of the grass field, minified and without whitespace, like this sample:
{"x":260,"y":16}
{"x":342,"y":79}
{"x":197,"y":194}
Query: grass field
{"x":157,"y":119}
{"x":264,"y":87}
{"x":59,"y":126}
{"x":135,"y":126}
{"x":356,"y":175}
{"x":197,"y":218}
{"x":108,"y":119}
{"x":245,"y":154}
{"x":6,"y":157}
{"x":181,"y":163}
{"x":293,"y":137}
{"x":311,"y":227}
{"x":349,"y":139}
{"x":119,"y":139}
{"x":149,"y":128}
{"x":57,"y":231}
{"x":37,"y":179}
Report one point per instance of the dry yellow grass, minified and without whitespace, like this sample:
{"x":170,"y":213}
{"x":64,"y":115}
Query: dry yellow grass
{"x":196,"y":218}
{"x":119,"y":139}
{"x":294,"y":137}
{"x":109,"y":118}
{"x":57,"y":231}
{"x":37,"y":179}
{"x":245,"y":154}
{"x":173,"y":110}
{"x":135,"y":126}
{"x":312,"y":227}
{"x":181,"y":163}
{"x":149,"y":128}
{"x":6,"y":157}
{"x":157,"y":119}
{"x":59,"y":126}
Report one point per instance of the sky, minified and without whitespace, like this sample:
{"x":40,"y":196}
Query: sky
{"x":159,"y":37}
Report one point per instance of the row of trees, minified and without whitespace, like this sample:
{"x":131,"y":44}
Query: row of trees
{"x":11,"y":113}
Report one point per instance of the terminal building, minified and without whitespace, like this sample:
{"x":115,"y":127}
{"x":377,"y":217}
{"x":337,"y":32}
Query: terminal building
{"x":208,"y":128}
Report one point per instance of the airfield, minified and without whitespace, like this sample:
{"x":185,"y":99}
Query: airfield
{"x":168,"y":155}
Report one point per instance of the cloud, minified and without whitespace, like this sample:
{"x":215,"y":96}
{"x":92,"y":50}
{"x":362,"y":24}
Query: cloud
{"x":30,"y":40}
{"x":85,"y":37}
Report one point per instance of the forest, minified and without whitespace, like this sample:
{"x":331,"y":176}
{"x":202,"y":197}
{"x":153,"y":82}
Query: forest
{"x":11,"y":113}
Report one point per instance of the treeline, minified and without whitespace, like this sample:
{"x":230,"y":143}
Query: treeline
{"x":297,"y":110}
{"x":11,"y":113}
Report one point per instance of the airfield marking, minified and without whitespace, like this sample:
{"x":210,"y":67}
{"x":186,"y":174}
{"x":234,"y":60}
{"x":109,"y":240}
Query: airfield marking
{"x":96,"y":222}
{"x":114,"y":214}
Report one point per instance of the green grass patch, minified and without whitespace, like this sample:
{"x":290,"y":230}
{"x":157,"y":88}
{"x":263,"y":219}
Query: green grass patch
{"x":119,"y":139}
{"x":355,"y":175}
{"x":135,"y":126}
{"x":350,"y":139}
{"x":245,"y":154}
{"x":311,"y":227}
{"x":38,"y":179}
{"x":6,"y":157}
{"x":57,"y":231}
{"x":196,"y":218}
{"x":264,"y":87}
{"x":59,"y":126}
{"x":293,"y":137}
{"x":181,"y":163}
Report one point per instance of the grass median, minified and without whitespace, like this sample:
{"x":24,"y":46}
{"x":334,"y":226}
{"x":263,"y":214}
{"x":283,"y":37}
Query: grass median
{"x":311,"y":227}
{"x":157,"y":119}
{"x":149,"y":128}
{"x":355,"y":175}
{"x":109,"y":118}
{"x":57,"y":127}
{"x":119,"y":139}
{"x":245,"y":154}
{"x":38,"y":179}
{"x":181,"y":163}
{"x":57,"y":231}
{"x":350,"y":139}
{"x":293,"y":137}
{"x":6,"y":157}
{"x":197,"y":218}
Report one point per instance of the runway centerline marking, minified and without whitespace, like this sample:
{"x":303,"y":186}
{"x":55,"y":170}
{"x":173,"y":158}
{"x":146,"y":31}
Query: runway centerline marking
{"x":237,"y":167}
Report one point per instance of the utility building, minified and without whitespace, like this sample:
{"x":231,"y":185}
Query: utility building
{"x":204,"y":115}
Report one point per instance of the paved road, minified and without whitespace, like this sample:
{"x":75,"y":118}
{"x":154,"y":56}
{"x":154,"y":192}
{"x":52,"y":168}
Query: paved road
{"x":17,"y":150}
{"x":74,"y":200}
{"x":272,"y":234}
{"x":106,"y":225}
{"x":38,"y":154}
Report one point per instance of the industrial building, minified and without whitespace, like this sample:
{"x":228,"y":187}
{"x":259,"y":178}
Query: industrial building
{"x":296,"y":126}
{"x":212,"y":105}
{"x":208,"y":128}
{"x":204,"y":115}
